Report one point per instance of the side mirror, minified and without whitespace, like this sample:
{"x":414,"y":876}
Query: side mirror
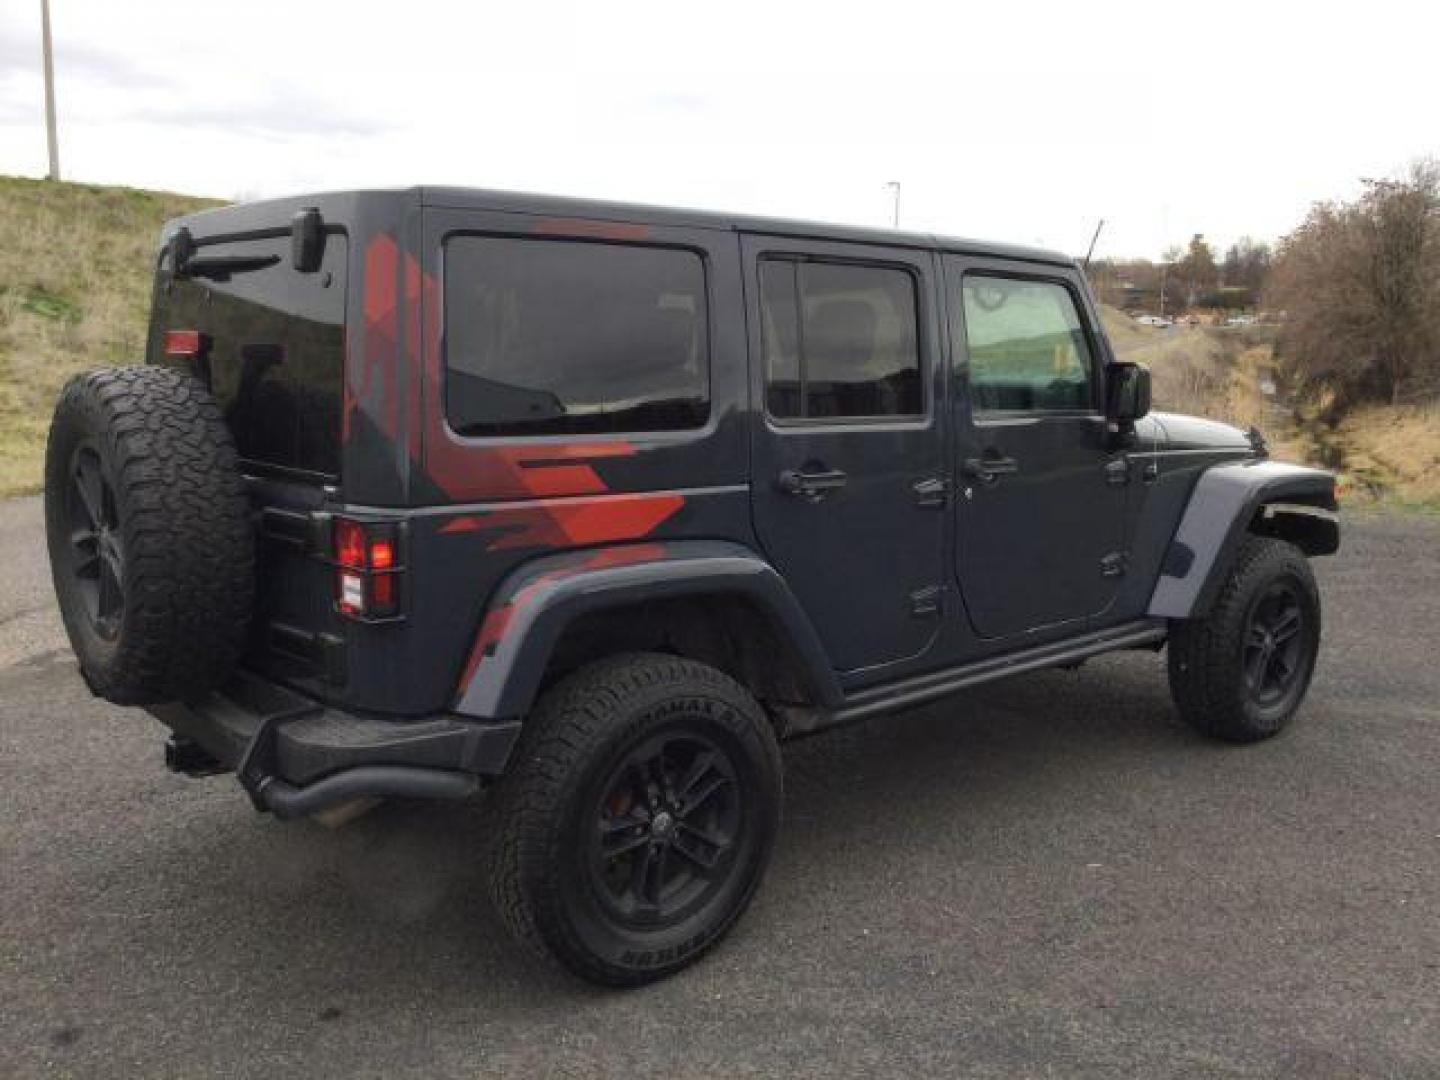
{"x":1127,"y":392}
{"x":307,"y":240}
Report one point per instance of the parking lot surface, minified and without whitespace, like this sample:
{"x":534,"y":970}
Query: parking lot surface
{"x":1045,"y":877}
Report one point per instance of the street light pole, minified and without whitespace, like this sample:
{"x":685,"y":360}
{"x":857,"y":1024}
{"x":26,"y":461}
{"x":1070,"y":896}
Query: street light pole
{"x":894,"y":185}
{"x":50,"y":92}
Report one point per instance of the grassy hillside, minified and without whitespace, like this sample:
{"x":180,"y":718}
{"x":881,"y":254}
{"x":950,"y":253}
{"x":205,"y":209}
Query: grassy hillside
{"x":75,"y":271}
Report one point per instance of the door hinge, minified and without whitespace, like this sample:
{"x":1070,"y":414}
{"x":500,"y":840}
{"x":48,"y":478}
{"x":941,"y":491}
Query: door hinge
{"x":1113,"y":564}
{"x":926,"y":601}
{"x":1117,"y":472}
{"x":933,"y":492}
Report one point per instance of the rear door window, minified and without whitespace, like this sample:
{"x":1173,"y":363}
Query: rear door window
{"x":559,"y":337}
{"x":840,"y":340}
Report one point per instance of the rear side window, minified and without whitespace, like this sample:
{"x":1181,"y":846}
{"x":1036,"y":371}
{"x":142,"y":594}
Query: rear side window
{"x":840,"y":340}
{"x":559,"y":337}
{"x":1027,"y":346}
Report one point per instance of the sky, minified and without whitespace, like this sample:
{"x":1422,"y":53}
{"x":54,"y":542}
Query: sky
{"x":1025,"y":122}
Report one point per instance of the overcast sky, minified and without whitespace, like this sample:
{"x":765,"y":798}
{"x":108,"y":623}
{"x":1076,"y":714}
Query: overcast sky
{"x":1015,"y":121}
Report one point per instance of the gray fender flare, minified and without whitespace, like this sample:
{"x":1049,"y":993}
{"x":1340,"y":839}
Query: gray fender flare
{"x":535,"y":603}
{"x":1292,"y":501}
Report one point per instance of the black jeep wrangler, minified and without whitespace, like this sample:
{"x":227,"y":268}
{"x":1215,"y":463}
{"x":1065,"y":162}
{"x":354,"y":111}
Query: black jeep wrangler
{"x":420,"y":493}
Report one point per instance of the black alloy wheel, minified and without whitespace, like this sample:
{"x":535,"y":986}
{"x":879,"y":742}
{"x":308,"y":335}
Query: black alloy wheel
{"x":96,"y":540}
{"x":1273,"y":644}
{"x":668,"y":828}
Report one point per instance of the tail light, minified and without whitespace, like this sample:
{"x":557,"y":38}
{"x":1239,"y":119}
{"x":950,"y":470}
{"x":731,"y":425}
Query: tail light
{"x":185,"y":344}
{"x":368,"y":568}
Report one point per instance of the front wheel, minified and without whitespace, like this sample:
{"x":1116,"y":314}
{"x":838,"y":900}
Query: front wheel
{"x":637,"y":818}
{"x":1240,"y":672}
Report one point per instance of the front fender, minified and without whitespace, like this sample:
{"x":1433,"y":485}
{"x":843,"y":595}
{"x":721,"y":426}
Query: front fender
{"x":1225,"y":502}
{"x":537,"y":601}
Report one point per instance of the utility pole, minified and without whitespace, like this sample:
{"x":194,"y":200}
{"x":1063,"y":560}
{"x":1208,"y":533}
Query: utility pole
{"x":50,"y":92}
{"x":894,"y":186}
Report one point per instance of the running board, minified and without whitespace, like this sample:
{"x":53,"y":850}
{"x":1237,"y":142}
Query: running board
{"x":921,"y":689}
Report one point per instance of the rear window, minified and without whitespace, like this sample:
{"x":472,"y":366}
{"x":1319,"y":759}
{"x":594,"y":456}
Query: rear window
{"x":276,"y":361}
{"x":559,"y":337}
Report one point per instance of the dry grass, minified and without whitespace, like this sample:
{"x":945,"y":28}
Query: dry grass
{"x":75,"y":273}
{"x":1123,"y":331}
{"x":1394,"y":452}
{"x":1387,"y":455}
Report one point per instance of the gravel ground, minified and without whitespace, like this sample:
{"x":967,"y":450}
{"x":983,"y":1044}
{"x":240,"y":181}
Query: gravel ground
{"x":1048,"y":877}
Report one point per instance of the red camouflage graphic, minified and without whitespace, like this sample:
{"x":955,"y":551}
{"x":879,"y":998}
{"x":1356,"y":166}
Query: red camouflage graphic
{"x":565,"y":503}
{"x":499,"y":617}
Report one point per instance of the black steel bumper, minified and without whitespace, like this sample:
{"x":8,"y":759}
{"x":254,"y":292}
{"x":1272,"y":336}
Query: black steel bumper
{"x":294,"y":755}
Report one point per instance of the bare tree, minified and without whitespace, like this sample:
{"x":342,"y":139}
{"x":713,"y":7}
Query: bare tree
{"x":1246,"y":265}
{"x":1359,"y":284}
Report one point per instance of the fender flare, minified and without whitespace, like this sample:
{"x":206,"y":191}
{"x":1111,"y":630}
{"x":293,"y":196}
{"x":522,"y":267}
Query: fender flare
{"x":1297,"y":502}
{"x":534,"y":604}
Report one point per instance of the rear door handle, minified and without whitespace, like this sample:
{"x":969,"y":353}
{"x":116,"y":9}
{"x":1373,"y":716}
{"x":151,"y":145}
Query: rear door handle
{"x":989,"y":469}
{"x":811,"y":484}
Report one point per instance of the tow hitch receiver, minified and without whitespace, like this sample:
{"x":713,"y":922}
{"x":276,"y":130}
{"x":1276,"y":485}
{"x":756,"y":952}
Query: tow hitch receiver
{"x":189,"y":758}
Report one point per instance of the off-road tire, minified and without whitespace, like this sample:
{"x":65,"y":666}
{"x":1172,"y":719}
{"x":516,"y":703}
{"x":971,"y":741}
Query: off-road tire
{"x":571,"y":748}
{"x":1207,"y":654}
{"x":174,"y":500}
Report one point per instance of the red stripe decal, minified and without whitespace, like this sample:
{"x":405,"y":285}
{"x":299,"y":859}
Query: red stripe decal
{"x":600,"y":230}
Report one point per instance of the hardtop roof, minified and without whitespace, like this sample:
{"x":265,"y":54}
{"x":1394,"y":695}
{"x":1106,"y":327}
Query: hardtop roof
{"x":262,"y":213}
{"x":638,"y":213}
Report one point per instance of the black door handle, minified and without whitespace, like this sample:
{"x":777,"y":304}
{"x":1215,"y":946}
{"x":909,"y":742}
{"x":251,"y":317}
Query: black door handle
{"x":989,"y":469}
{"x":813,"y":485}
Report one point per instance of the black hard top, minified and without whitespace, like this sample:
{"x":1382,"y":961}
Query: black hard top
{"x":263,"y":214}
{"x":561,"y":206}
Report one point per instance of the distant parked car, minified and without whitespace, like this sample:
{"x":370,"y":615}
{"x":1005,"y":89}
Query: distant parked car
{"x":1240,"y":320}
{"x":1153,"y":320}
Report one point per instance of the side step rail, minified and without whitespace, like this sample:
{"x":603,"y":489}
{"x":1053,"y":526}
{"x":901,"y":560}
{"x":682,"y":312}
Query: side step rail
{"x":933,"y":685}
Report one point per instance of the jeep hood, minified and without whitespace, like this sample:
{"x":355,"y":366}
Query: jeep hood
{"x":1181,"y":432}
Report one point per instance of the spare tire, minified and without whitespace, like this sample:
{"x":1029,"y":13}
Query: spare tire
{"x":149,"y":532}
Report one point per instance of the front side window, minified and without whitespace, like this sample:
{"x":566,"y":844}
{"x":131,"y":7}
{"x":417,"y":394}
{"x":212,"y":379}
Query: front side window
{"x":840,"y":340}
{"x":559,"y":337}
{"x":1028,"y":350}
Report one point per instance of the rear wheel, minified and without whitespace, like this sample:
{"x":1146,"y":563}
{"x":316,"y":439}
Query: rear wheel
{"x":637,"y":818}
{"x":1240,"y":672}
{"x":149,"y":535}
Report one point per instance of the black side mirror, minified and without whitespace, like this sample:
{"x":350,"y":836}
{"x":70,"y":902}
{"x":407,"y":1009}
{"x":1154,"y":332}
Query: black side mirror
{"x":307,"y":240}
{"x":1127,"y":392}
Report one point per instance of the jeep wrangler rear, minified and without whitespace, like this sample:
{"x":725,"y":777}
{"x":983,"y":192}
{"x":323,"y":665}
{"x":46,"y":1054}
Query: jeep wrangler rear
{"x":420,"y":493}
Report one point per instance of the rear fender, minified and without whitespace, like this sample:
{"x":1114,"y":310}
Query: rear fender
{"x":1293,"y":502}
{"x":533,"y":606}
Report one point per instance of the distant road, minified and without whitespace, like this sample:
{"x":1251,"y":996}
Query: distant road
{"x":1049,"y":877}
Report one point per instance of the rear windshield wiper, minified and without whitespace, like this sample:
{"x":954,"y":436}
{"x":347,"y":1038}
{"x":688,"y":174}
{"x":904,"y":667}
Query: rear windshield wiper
{"x":220,"y":267}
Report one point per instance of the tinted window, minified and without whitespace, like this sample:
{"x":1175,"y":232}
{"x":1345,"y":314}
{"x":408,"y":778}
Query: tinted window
{"x":840,"y":340}
{"x":1028,"y":349}
{"x":277,"y":356}
{"x":557,"y":336}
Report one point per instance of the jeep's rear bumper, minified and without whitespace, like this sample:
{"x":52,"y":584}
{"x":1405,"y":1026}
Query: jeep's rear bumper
{"x":295,"y":755}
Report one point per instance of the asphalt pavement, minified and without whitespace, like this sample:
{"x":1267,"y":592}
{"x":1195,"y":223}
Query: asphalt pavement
{"x":1046,"y":877}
